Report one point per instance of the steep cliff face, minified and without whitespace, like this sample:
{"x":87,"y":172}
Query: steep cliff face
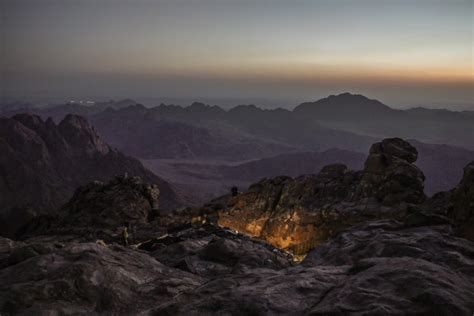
{"x":301,"y":213}
{"x":43,"y":163}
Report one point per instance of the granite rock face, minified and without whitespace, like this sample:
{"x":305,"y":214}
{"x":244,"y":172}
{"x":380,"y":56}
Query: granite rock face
{"x":301,"y":213}
{"x":123,"y":199}
{"x":390,"y":175}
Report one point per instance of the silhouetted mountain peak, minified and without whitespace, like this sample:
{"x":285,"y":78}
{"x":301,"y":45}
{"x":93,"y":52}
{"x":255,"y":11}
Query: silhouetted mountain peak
{"x":350,"y":99}
{"x":29,"y":120}
{"x":349,"y":96}
{"x":72,"y":135}
{"x":116,"y":104}
{"x":245,"y":108}
{"x":198,"y":105}
{"x":75,"y":120}
{"x":343,"y":104}
{"x":204,"y":108}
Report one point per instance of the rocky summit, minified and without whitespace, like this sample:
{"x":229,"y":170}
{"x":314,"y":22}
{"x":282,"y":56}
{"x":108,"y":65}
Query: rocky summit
{"x":300,"y":213}
{"x":339,"y":242}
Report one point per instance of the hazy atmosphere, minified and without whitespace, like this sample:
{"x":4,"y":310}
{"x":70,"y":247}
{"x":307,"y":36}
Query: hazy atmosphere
{"x":198,"y":157}
{"x":406,"y":53}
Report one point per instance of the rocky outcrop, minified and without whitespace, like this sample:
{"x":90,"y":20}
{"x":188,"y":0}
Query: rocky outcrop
{"x":100,"y":211}
{"x":462,"y":204}
{"x":123,"y":199}
{"x":381,"y":267}
{"x":42,"y":164}
{"x":378,"y":268}
{"x":390,"y":175}
{"x":301,"y":213}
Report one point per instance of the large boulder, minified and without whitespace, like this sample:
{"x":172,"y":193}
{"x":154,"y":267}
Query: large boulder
{"x":123,"y":199}
{"x":100,"y":211}
{"x":390,"y":175}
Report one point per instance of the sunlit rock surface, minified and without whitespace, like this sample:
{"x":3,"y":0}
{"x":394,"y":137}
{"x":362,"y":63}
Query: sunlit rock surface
{"x":379,"y":268}
{"x":301,"y":213}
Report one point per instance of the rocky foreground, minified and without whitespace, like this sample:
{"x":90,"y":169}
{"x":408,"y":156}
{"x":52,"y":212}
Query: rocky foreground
{"x":373,"y":243}
{"x":384,"y":267}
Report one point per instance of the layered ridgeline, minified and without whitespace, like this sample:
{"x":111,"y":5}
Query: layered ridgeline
{"x":42,"y":164}
{"x":361,"y":115}
{"x":380,"y":247}
{"x":208,"y":133}
{"x":354,"y":117}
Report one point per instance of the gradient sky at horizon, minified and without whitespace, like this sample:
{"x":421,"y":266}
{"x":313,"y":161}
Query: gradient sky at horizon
{"x":402,"y":52}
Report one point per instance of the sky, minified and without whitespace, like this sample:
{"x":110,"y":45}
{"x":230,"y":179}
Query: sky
{"x":417,"y":52}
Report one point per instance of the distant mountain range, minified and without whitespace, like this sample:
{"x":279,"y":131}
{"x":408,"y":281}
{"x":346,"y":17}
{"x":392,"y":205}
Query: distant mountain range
{"x":359,"y":114}
{"x":346,"y":122}
{"x":139,"y":132}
